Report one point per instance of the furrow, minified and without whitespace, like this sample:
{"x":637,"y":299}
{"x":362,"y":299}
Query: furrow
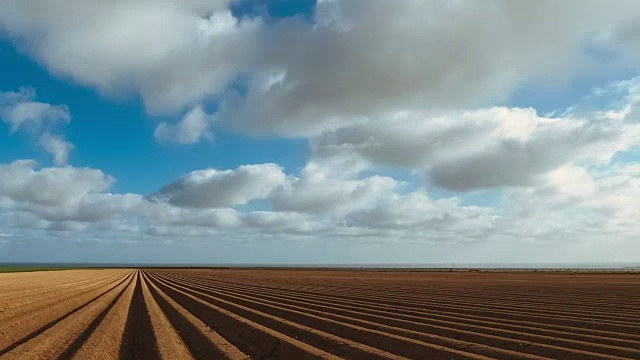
{"x":55,"y":340}
{"x":331,"y":343}
{"x":201,"y":341}
{"x":438,"y":318}
{"x":20,"y":294}
{"x":102,"y":339}
{"x":139,"y":341}
{"x":401,"y":345}
{"x":256,"y":340}
{"x":170,"y":345}
{"x":17,"y":333}
{"x":30,"y":307}
{"x":423,"y":331}
{"x":494,"y":304}
{"x":591,"y":303}
{"x":514,"y":313}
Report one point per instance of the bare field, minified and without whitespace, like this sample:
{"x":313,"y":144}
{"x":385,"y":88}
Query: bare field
{"x":298,"y":314}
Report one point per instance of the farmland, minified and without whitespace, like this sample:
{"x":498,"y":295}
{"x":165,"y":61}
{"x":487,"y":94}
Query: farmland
{"x":313,"y":314}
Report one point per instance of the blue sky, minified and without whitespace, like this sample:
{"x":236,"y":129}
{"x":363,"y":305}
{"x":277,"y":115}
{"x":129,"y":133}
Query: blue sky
{"x":133,"y":156}
{"x":337,"y":132}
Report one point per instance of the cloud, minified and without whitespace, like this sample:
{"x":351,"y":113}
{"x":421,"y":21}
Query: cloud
{"x":355,"y":62}
{"x":416,"y":216}
{"x":331,"y":186}
{"x":22,"y":181}
{"x":494,"y":147}
{"x":416,"y":85}
{"x":364,"y":59}
{"x":332,"y":197}
{"x":57,"y":147}
{"x":576,"y":205}
{"x":562,"y":163}
{"x":174,"y":53}
{"x":75,"y":200}
{"x":213,"y":188}
{"x":193,"y":126}
{"x":91,"y":208}
{"x":20,"y":111}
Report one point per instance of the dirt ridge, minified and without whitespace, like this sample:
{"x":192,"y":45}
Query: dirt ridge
{"x":184,"y":314}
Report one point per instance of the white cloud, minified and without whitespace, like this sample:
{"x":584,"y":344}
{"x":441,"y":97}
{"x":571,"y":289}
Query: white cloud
{"x":365,"y":59}
{"x":370,"y":83}
{"x":331,"y":197}
{"x":75,"y":200}
{"x":22,"y":181}
{"x":417,"y":216}
{"x":358,"y":61}
{"x":598,"y":209}
{"x":34,"y":113}
{"x":337,"y":194}
{"x":492,"y":147}
{"x":283,"y":223}
{"x":193,"y":126}
{"x":173,"y":53}
{"x":91,"y":208}
{"x":213,"y":188}
{"x":57,"y":147}
{"x":20,"y":111}
{"x":332,"y":186}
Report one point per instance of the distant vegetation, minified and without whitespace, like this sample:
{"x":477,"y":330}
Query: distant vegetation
{"x":12,"y":269}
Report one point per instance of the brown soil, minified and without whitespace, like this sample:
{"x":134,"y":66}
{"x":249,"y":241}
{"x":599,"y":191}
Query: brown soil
{"x":296,"y":314}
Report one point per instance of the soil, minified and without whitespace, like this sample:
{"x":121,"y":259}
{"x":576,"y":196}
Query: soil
{"x":311,"y":314}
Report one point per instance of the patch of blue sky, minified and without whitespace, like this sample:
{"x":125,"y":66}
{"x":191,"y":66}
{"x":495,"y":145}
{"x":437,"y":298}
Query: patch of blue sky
{"x":627,"y":157}
{"x":485,"y":198}
{"x":274,"y":8}
{"x":18,"y":146}
{"x":255,"y":205}
{"x":116,"y":136}
{"x":599,"y":72}
{"x":549,"y":98}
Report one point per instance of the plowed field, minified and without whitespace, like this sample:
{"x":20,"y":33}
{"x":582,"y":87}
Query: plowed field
{"x":308,"y":314}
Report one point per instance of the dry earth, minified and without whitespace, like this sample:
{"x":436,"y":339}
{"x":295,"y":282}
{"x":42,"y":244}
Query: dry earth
{"x":298,"y":314}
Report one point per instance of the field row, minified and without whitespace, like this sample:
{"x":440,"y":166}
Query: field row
{"x":269,"y":314}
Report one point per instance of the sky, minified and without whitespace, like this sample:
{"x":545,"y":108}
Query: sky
{"x":319,"y":132}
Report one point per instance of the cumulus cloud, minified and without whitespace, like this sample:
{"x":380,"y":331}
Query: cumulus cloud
{"x":492,"y":147}
{"x":192,"y":127}
{"x":21,"y":111}
{"x":332,"y":186}
{"x":213,"y":188}
{"x":329,"y":196}
{"x":174,"y":53}
{"x":22,"y":181}
{"x":575,"y":205}
{"x":75,"y":200}
{"x":417,"y":216}
{"x":415,"y":85}
{"x":364,"y":59}
{"x":560,"y":164}
{"x":356,"y":60}
{"x":58,"y":147}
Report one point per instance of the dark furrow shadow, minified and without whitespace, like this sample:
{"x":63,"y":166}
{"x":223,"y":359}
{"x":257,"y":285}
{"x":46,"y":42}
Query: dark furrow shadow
{"x":77,"y":343}
{"x":199,"y":346}
{"x":138,"y":340}
{"x":54,"y":322}
{"x":252,"y":341}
